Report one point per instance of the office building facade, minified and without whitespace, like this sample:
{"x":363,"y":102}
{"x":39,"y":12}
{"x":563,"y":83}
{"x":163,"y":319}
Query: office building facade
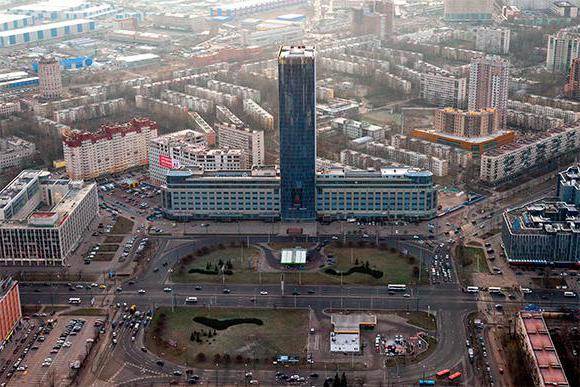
{"x":47,"y":237}
{"x":568,"y":188}
{"x":297,"y":115}
{"x":10,"y":309}
{"x":401,"y":193}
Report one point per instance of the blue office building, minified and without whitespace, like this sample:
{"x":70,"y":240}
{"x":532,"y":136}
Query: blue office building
{"x":546,"y":232}
{"x":297,"y":114}
{"x":391,"y":193}
{"x":568,"y":188}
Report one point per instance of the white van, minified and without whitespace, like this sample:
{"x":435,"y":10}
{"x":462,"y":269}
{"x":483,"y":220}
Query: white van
{"x":569,"y":294}
{"x":191,"y":300}
{"x":472,"y":289}
{"x":74,"y":300}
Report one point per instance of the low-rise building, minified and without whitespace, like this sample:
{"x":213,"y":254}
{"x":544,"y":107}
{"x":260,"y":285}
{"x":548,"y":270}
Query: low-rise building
{"x":357,"y":129}
{"x":9,"y":108}
{"x":42,"y":219}
{"x":14,"y":151}
{"x":10,"y":309}
{"x":508,"y":161}
{"x":533,"y":336}
{"x":112,"y":149}
{"x":259,"y":114}
{"x":469,"y":124}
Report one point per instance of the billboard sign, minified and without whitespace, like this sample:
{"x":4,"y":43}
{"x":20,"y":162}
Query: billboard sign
{"x":167,"y":162}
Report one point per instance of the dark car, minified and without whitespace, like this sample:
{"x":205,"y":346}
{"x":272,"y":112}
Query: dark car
{"x":160,"y":363}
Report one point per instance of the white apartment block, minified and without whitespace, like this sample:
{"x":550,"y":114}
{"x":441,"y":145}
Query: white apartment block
{"x":562,"y":48}
{"x":493,"y":40}
{"x":187,"y":148}
{"x":14,"y":151}
{"x":568,"y":116}
{"x":357,"y":129}
{"x":230,"y":88}
{"x":216,"y":96}
{"x":259,"y":114}
{"x":9,"y":108}
{"x":112,"y":149}
{"x":90,"y":111}
{"x":190,"y":102}
{"x":507,"y":161}
{"x":249,"y":141}
{"x":443,"y":90}
{"x":223,"y":114}
{"x":47,"y":237}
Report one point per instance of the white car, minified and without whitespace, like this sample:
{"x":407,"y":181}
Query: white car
{"x":167,"y":290}
{"x":141,"y":291}
{"x":263,"y":293}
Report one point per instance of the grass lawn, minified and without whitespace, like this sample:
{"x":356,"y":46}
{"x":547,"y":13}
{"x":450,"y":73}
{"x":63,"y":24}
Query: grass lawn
{"x":122,"y":226}
{"x":470,"y":260}
{"x":420,"y":319}
{"x":243,"y":261}
{"x":282,"y":332}
{"x":395,"y":268}
{"x":109,"y":248}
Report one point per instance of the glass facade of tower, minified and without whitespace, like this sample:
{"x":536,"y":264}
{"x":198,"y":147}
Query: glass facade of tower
{"x":297,"y":98}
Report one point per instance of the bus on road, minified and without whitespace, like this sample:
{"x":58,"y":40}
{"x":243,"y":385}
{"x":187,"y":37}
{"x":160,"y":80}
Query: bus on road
{"x":426,"y":382}
{"x":400,"y":288}
{"x":456,"y":375}
{"x":494,"y":290}
{"x":442,"y":373}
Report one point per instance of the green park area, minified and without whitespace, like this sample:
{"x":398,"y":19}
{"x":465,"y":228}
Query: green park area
{"x":206,"y":265}
{"x":372,"y":266}
{"x":470,"y":260}
{"x":360,"y":265}
{"x":228,"y":337}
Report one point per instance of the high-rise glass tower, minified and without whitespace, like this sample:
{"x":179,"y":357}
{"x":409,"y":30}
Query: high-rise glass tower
{"x":297,"y":98}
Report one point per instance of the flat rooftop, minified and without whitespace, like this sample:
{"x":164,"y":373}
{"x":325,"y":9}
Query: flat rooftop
{"x":6,"y":285}
{"x":345,"y":342}
{"x":544,"y":216}
{"x":9,"y":18}
{"x":351,"y":323}
{"x":545,"y":354}
{"x":44,"y":27}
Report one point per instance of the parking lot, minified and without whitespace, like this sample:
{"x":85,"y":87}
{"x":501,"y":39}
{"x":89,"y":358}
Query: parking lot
{"x":59,"y":349}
